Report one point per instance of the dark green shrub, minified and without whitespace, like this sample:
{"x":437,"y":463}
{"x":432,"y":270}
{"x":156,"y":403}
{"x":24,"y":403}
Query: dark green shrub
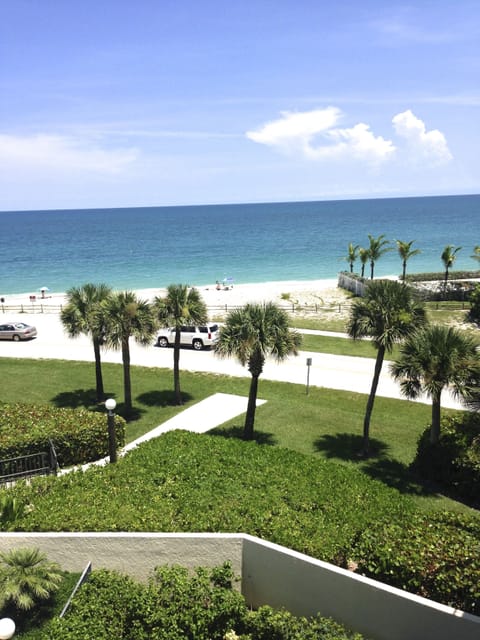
{"x":474,"y":313}
{"x":453,"y":462}
{"x":434,"y":555}
{"x":77,"y":434}
{"x":176,"y":605}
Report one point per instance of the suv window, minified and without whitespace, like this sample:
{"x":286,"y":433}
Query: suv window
{"x":188,"y":329}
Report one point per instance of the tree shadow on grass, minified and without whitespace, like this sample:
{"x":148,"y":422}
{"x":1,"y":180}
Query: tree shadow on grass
{"x":236,"y":431}
{"x":77,"y":398}
{"x":348,"y":446}
{"x":378,"y":465}
{"x":165,"y":398}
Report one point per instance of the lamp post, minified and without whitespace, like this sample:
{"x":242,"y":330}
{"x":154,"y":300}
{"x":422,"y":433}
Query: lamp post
{"x":110,"y":405}
{"x":7,"y":628}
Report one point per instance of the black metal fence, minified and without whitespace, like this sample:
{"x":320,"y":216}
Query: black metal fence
{"x":34,"y":464}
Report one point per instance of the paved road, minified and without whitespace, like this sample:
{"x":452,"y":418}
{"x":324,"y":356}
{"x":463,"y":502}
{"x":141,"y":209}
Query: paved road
{"x":330,"y":371}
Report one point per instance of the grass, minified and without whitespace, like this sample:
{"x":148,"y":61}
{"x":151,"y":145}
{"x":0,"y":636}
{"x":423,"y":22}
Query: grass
{"x":326,"y":423}
{"x":342,"y":346}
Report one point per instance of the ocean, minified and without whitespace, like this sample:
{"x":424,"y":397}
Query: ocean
{"x":139,"y":248}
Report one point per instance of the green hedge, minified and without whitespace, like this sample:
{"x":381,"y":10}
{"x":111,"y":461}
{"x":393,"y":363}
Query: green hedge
{"x":77,"y":434}
{"x":454,"y":462}
{"x":189,"y":482}
{"x":177,"y":606}
{"x":435,"y":555}
{"x":205,"y":483}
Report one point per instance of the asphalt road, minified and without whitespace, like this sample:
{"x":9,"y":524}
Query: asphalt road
{"x":330,"y":371}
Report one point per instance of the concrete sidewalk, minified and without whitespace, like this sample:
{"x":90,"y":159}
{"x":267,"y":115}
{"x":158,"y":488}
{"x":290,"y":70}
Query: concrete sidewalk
{"x":201,"y":417}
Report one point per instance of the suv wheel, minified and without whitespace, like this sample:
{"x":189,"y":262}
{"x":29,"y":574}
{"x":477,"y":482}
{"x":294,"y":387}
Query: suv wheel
{"x":197,"y":345}
{"x":162,"y":342}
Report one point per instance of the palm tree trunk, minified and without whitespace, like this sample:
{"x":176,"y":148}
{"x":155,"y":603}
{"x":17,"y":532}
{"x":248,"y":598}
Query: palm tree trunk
{"x":252,"y":404}
{"x":127,"y":385}
{"x":98,"y":370}
{"x":176,"y":368}
{"x":435,"y":428}
{"x":404,"y":271}
{"x":372,"y":267}
{"x":371,"y":400}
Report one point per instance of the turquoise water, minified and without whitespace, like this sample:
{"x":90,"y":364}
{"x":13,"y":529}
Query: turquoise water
{"x":155,"y":246}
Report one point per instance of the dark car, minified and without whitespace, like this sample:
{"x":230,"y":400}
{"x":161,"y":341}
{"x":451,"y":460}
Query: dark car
{"x":17,"y":331}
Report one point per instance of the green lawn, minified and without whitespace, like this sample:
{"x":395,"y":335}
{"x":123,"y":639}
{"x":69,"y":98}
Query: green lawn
{"x":325,"y":423}
{"x":342,"y":346}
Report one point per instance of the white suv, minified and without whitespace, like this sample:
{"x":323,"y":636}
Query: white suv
{"x":196,"y":337}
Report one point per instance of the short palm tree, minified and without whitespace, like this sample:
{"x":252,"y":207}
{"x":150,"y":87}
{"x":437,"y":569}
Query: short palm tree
{"x":351,"y":255}
{"x":435,"y":358}
{"x":406,"y":252}
{"x":363,"y":254}
{"x":376,"y":249}
{"x":387,"y":314}
{"x":449,"y":255}
{"x":181,"y":306}
{"x":78,"y":317}
{"x":476,"y":253}
{"x":251,"y":334}
{"x":122,"y":316}
{"x":27,"y":577}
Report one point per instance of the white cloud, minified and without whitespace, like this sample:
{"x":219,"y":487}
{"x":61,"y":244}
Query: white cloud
{"x":61,"y":153}
{"x":425,"y":146}
{"x":313,"y":134}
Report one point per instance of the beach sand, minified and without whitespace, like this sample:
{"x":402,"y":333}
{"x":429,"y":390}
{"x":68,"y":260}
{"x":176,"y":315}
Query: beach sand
{"x":323,"y":293}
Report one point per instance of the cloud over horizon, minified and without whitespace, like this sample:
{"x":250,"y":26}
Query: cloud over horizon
{"x":314,"y":135}
{"x":429,"y":146}
{"x":61,"y":153}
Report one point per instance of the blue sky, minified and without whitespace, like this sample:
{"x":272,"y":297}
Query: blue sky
{"x":111,"y":103}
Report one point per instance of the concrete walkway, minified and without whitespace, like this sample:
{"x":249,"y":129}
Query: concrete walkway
{"x":200,"y":417}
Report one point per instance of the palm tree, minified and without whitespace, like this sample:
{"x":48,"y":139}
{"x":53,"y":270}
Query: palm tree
{"x":476,"y":253}
{"x":363,"y":254}
{"x":406,"y":252}
{"x":351,"y":255}
{"x":78,"y":317}
{"x":387,"y":314}
{"x":26,"y":577}
{"x":449,"y":255}
{"x":251,"y":334}
{"x":434,"y":358}
{"x":376,"y":250}
{"x":122,"y":315}
{"x":182,"y":305}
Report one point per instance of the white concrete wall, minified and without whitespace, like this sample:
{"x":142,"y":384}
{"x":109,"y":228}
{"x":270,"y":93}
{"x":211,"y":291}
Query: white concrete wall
{"x":270,"y":575}
{"x":283,"y":578}
{"x":136,"y":554}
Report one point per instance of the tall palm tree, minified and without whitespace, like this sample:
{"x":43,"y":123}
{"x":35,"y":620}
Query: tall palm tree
{"x":387,"y":314}
{"x":351,"y":255}
{"x":123,"y":316}
{"x":363,"y":254}
{"x":181,"y":306}
{"x":406,"y":252}
{"x":449,"y":255}
{"x":26,"y":577}
{"x":378,"y":246}
{"x":251,"y":334}
{"x":434,"y":358}
{"x":79,"y":317}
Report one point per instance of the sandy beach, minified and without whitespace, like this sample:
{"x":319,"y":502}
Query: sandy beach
{"x":311,"y":292}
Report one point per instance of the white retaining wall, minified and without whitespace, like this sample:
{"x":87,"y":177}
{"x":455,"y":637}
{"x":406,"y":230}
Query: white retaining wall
{"x":270,"y":574}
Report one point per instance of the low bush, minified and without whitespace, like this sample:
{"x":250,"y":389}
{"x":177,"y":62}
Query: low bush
{"x":198,"y":483}
{"x":453,"y":462}
{"x":176,"y":605}
{"x":434,"y":555}
{"x":188,"y":482}
{"x":77,"y":434}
